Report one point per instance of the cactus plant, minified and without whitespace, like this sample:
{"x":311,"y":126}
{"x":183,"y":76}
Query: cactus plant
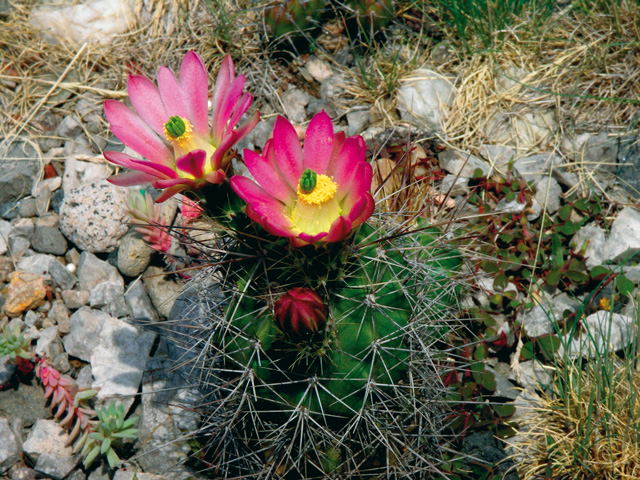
{"x":320,"y":344}
{"x":284,"y":17}
{"x":373,"y":14}
{"x":316,"y":353}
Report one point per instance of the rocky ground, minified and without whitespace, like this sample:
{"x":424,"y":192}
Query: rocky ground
{"x":78,"y":281}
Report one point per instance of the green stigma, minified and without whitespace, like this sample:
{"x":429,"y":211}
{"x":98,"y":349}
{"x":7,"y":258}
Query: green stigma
{"x":175,"y":126}
{"x":308,"y":181}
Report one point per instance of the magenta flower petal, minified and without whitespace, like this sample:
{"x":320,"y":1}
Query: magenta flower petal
{"x":318,"y":143}
{"x":270,"y":179}
{"x":360,"y":184}
{"x":195,"y":85}
{"x":340,"y":229}
{"x":131,"y":178}
{"x":274,"y":227}
{"x":155,"y":169}
{"x":350,"y":157}
{"x":172,"y":95}
{"x":145,"y":98}
{"x":170,"y":192}
{"x":241,"y":108}
{"x":314,"y":207}
{"x":287,"y":150}
{"x":170,"y":125}
{"x":133,"y":132}
{"x":226,"y":75}
{"x":193,"y":163}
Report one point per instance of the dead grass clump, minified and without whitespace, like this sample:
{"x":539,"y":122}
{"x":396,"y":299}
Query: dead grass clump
{"x":577,"y":73}
{"x":587,"y":428}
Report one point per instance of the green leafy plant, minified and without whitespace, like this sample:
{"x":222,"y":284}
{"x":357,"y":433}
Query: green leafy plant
{"x":13,"y":344}
{"x":110,"y":430}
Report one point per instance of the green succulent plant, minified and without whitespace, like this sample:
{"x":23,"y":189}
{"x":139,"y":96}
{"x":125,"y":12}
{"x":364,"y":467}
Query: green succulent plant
{"x":13,"y":343}
{"x":110,"y":430}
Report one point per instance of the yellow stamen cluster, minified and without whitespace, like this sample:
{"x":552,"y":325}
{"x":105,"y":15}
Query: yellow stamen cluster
{"x":185,"y":140}
{"x":324,"y":191}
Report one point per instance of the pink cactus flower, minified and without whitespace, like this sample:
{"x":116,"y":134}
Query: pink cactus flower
{"x":312,"y":194}
{"x":300,"y":311}
{"x":170,"y":128}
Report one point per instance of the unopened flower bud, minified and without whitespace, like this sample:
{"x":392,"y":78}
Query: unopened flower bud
{"x":300,"y":311}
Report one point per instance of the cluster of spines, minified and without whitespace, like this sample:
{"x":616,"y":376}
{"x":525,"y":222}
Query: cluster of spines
{"x":296,"y":410}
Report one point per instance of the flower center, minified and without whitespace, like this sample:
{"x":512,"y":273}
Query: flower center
{"x":178,"y":131}
{"x":315,"y":189}
{"x":317,"y":206}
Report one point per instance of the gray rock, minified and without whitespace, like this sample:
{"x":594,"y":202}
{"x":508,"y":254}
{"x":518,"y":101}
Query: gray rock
{"x":134,"y":255}
{"x":19,"y":246}
{"x":162,"y":291}
{"x":358,"y":120}
{"x":453,"y":186}
{"x":48,"y":337}
{"x":294,"y":100}
{"x":23,"y":473}
{"x":128,"y":475}
{"x":318,"y":69}
{"x":61,"y":275}
{"x":20,"y":170}
{"x":9,"y":210}
{"x":43,"y":193}
{"x":76,"y":475}
{"x":605,"y":332}
{"x":33,"y":319}
{"x":504,"y":387}
{"x":26,"y":404}
{"x":498,"y":156}
{"x":167,"y":415}
{"x":424,"y":98}
{"x":78,"y":173}
{"x":95,"y":217}
{"x":629,"y":164}
{"x":85,"y":378}
{"x":595,"y":238}
{"x":69,"y":127}
{"x":601,"y":152}
{"x":534,"y":167}
{"x":139,"y":303}
{"x":332,"y":87}
{"x":5,"y":229}
{"x":6,"y":369}
{"x":540,"y":319}
{"x":38,"y":264}
{"x":46,"y":437}
{"x":92,"y":271}
{"x":117,"y":351}
{"x":48,"y":239}
{"x":74,"y":299}
{"x":109,"y":297}
{"x":27,"y":207}
{"x":61,"y":362}
{"x":624,"y":238}
{"x":9,"y":451}
{"x":55,"y":466}
{"x":548,"y":192}
{"x":461,"y":164}
{"x":532,"y":375}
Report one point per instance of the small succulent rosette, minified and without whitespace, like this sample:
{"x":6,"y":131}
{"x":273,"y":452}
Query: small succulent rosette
{"x":170,"y":128}
{"x":313,"y":194}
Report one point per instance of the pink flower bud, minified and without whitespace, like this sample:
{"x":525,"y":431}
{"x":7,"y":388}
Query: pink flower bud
{"x":301,"y":311}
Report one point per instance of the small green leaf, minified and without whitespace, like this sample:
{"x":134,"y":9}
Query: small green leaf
{"x":113,"y":458}
{"x":564,"y":213}
{"x":577,"y":277}
{"x":553,"y":278}
{"x":504,"y":410}
{"x":481,"y":352}
{"x":88,"y":460}
{"x":624,"y":285}
{"x":106,"y":445}
{"x":500,"y":282}
{"x":599,"y":272}
{"x":527,"y":351}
